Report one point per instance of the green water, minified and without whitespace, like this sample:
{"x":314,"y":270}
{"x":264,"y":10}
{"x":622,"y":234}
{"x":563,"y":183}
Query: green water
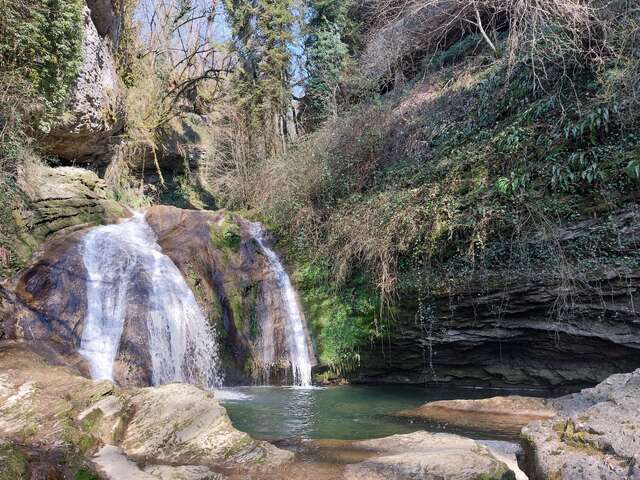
{"x":341,"y":413}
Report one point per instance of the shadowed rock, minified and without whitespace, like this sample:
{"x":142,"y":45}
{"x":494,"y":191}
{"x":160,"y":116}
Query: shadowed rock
{"x":507,"y":330}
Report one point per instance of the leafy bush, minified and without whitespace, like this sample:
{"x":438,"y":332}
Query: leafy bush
{"x":226,"y":236}
{"x":41,"y":41}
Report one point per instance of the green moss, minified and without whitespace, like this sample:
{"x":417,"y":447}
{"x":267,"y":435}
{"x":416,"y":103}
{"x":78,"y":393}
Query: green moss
{"x":579,"y":440}
{"x":235,"y":304}
{"x":343,"y":320}
{"x":226,"y":235}
{"x":242,"y":304}
{"x":92,"y":420}
{"x":84,"y":474}
{"x":81,"y":441}
{"x":16,"y":246}
{"x":13,"y":463}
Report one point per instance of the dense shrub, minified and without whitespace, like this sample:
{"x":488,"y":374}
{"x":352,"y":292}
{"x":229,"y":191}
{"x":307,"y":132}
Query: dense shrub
{"x":41,"y":42}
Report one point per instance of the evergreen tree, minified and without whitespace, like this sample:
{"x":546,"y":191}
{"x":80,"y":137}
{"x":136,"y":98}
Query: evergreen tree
{"x":262,"y":33}
{"x":326,"y":51}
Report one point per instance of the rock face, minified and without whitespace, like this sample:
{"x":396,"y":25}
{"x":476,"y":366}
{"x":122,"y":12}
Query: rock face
{"x":505,"y":331}
{"x":95,"y":105}
{"x":55,"y":409}
{"x":596,"y":435}
{"x":426,"y":456}
{"x":503,"y":415}
{"x":231,"y":278}
{"x":214,"y":252}
{"x":59,"y":198}
{"x":47,"y":302}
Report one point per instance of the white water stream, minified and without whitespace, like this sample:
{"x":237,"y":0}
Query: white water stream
{"x":181,"y":344}
{"x":297,"y":345}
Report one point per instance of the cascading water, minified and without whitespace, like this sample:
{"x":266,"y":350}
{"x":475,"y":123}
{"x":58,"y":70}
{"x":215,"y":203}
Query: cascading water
{"x":181,"y":344}
{"x":297,"y":345}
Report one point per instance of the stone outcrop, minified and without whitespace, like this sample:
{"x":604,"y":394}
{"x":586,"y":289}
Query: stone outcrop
{"x":95,"y":104}
{"x":47,"y":301}
{"x":59,"y":198}
{"x":426,"y":456}
{"x":596,"y":435}
{"x":499,"y":415}
{"x":533,"y":329}
{"x":53,"y":409}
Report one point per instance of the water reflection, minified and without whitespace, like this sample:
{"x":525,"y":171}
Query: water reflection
{"x":345,"y":412}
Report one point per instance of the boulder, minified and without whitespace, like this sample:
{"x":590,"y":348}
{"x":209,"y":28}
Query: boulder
{"x":596,"y":435}
{"x":501,"y":415}
{"x":184,"y":425}
{"x":426,"y":456}
{"x":54,"y":409}
{"x":64,"y":197}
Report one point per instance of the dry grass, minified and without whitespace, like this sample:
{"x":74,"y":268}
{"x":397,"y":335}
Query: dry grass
{"x":546,"y":34}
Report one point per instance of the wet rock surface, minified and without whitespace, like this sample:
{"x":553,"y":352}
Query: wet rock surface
{"x":596,"y":434}
{"x":230,"y":277}
{"x":214,"y":251}
{"x":502,"y":415}
{"x":47,"y":302}
{"x":54,"y":409}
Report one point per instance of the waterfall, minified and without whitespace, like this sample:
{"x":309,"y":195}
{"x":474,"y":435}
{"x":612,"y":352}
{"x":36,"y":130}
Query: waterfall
{"x":296,"y":336}
{"x":181,"y":344}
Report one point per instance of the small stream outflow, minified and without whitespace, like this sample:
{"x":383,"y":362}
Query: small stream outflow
{"x":124,"y":260}
{"x":296,"y":336}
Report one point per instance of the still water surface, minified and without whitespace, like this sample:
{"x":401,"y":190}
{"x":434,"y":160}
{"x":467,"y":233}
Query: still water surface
{"x":341,"y":412}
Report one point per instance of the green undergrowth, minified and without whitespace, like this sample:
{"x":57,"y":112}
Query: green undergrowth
{"x":342,"y":320}
{"x":42,"y":41}
{"x":226,"y":236}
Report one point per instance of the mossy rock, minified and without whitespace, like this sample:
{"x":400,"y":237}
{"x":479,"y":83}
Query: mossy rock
{"x":226,"y":236}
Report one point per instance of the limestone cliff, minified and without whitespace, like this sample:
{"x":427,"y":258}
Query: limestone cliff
{"x":95,"y":104}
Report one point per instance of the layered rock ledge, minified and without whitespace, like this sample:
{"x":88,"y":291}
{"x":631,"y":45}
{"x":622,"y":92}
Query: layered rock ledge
{"x":426,"y":456}
{"x":502,"y":415}
{"x":525,"y":328}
